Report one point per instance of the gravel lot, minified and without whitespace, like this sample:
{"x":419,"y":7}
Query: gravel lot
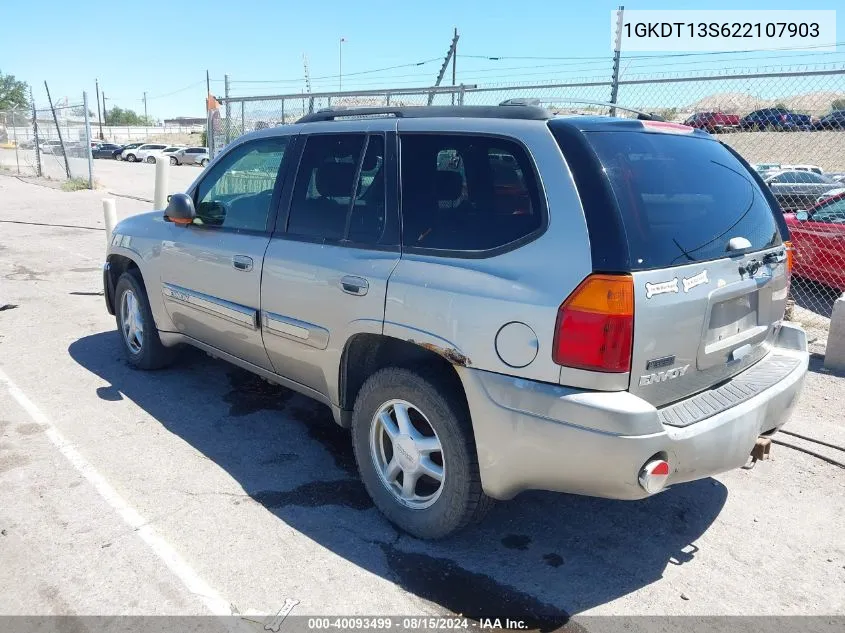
{"x":200,"y":489}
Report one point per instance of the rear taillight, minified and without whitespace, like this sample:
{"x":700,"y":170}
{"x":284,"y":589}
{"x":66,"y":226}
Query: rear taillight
{"x":790,"y":258}
{"x":595,"y":325}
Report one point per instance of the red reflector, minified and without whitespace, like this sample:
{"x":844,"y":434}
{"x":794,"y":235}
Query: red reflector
{"x":662,"y":468}
{"x":668,"y":126}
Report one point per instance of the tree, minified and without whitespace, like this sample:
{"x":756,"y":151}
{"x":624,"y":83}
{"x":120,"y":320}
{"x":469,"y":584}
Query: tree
{"x":119,"y":116}
{"x":80,"y":111}
{"x":838,"y":104}
{"x":12,"y":93}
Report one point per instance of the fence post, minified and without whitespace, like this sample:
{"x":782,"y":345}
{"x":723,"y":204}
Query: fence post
{"x":88,"y":142}
{"x":228,"y":110}
{"x":58,"y":130}
{"x":243,"y":122}
{"x":283,"y":111}
{"x":15,"y":139}
{"x":35,"y":134}
{"x":614,"y":82}
{"x":461,"y":95}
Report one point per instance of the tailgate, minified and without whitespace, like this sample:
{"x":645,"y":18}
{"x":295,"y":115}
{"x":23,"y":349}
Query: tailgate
{"x":706,"y":257}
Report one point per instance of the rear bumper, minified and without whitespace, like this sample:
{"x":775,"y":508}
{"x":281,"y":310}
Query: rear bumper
{"x":533,"y":435}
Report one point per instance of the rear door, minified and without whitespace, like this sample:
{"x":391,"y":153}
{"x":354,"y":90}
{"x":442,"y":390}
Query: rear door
{"x":706,"y":256}
{"x":326,"y":269}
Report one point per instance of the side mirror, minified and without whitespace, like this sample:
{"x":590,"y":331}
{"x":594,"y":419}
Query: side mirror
{"x":802,"y":216}
{"x":180,"y":209}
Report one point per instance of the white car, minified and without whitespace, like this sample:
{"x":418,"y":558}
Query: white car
{"x":141,"y":153}
{"x":813,"y":168}
{"x":830,"y":194}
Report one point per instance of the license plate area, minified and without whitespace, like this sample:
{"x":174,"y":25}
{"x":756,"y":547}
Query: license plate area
{"x":732,"y":317}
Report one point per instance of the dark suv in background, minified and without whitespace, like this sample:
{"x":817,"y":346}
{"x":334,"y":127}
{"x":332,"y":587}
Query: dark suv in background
{"x":779,"y":119}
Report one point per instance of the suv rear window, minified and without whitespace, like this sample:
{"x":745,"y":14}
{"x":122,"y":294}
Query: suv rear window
{"x":467,"y":195}
{"x":681,"y":198}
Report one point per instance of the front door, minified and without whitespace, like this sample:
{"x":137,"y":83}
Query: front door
{"x":211,"y":269}
{"x":325,"y":277}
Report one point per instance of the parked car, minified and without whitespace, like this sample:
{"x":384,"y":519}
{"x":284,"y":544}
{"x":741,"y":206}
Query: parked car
{"x":190,"y":156}
{"x":766,"y":168}
{"x":124,"y":150}
{"x":51,"y":147}
{"x":27,"y":144}
{"x":467,"y":367}
{"x":142,"y":152}
{"x":798,"y":189}
{"x":838,"y":176}
{"x":813,"y":168}
{"x":105,"y":150}
{"x":779,"y":119}
{"x":818,"y":235}
{"x":75,"y":149}
{"x":833,"y":121}
{"x":830,"y":194}
{"x":713,"y":121}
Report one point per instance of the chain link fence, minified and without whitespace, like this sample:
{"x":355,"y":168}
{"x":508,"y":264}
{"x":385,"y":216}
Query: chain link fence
{"x":49,"y":142}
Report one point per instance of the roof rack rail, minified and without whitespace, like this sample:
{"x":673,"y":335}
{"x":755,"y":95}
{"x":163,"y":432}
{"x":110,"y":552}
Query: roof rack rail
{"x":643,"y":116}
{"x":514,"y":111}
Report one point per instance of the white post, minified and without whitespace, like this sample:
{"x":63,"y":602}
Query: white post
{"x":110,"y":216}
{"x":162,"y":176}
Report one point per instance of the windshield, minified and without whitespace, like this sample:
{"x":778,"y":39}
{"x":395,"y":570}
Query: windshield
{"x":681,"y":198}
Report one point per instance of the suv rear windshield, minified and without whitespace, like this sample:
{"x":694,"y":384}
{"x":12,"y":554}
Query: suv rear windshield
{"x":681,"y":198}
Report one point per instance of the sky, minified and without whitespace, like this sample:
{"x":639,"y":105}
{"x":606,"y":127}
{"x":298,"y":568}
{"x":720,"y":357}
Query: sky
{"x":164,"y":48}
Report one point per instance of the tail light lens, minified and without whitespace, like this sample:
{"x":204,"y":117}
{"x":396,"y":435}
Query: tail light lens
{"x":595,"y":325}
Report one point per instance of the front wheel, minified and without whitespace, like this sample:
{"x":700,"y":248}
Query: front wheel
{"x":142,"y":346}
{"x":151,"y":160}
{"x":415,"y":450}
{"x":173,"y":160}
{"x":203,"y":162}
{"x":130,"y":158}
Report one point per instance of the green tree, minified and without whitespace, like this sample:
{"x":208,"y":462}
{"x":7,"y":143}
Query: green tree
{"x":12,"y":93}
{"x":838,"y":104}
{"x":119,"y":116}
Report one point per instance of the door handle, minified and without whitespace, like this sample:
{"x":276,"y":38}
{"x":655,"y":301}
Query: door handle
{"x":354,"y":285}
{"x":242,"y":262}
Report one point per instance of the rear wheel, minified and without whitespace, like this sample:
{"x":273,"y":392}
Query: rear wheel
{"x":173,"y":160}
{"x":203,"y":162}
{"x":416,"y":453}
{"x":142,"y":346}
{"x":151,"y":160}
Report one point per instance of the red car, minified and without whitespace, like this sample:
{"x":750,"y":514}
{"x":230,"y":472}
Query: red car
{"x":818,"y":237}
{"x":713,"y":121}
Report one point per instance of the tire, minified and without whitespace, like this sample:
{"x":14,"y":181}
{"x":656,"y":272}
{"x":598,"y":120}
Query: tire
{"x":145,"y":352}
{"x":151,"y":160}
{"x":130,"y":158}
{"x":173,"y":160}
{"x":459,"y":499}
{"x":203,"y":162}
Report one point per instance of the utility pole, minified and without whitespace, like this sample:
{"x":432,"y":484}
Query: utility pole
{"x":307,"y":84}
{"x":58,"y":130}
{"x":449,"y":55}
{"x":145,"y":113}
{"x":99,"y":119}
{"x":454,"y":61}
{"x":340,"y":65}
{"x":209,"y":120}
{"x":35,"y":134}
{"x":617,"y":48}
{"x":105,"y":112}
{"x":88,"y":153}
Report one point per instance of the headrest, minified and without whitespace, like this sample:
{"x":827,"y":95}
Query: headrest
{"x":449,"y":185}
{"x":334,"y":180}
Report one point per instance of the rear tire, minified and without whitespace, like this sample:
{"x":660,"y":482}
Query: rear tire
{"x":203,"y":162}
{"x":433,"y":509}
{"x":142,"y":349}
{"x":151,"y":160}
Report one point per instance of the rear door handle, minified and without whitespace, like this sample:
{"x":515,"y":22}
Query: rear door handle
{"x":354,"y":285}
{"x":242,"y":262}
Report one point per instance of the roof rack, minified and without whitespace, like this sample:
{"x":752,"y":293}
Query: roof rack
{"x":642,"y":116}
{"x":513,"y":111}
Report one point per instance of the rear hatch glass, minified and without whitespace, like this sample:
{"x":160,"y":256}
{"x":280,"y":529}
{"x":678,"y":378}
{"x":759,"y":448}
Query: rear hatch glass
{"x":681,"y":198}
{"x":705,"y":251}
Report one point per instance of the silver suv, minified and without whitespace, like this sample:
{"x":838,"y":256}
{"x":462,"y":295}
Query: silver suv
{"x":493,"y":299}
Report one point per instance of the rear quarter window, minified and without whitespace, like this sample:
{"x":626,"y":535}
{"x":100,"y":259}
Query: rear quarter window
{"x":681,"y":198}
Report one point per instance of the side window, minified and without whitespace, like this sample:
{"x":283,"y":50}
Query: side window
{"x":339,"y":193}
{"x":236,"y":193}
{"x":789,"y":176}
{"x":466,"y":193}
{"x":833,"y":212}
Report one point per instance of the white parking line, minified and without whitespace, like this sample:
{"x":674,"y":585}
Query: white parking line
{"x":192,"y":581}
